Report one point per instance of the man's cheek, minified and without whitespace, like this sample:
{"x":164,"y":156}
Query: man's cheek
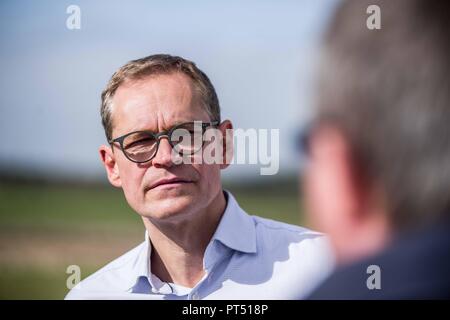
{"x":133,"y":191}
{"x":210,"y":177}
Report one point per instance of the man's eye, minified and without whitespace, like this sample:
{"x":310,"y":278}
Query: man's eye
{"x":141,"y":143}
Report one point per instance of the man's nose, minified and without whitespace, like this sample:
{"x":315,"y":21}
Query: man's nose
{"x":163,"y":155}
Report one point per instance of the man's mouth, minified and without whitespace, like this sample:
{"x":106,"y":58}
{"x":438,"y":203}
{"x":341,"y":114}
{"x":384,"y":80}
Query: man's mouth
{"x":169,"y":182}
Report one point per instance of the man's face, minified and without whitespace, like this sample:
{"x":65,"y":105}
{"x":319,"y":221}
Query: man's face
{"x":340,"y":200}
{"x":158,"y":103}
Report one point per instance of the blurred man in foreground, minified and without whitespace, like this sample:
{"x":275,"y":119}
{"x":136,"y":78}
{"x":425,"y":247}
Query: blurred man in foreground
{"x":378,"y":180}
{"x":158,"y":113}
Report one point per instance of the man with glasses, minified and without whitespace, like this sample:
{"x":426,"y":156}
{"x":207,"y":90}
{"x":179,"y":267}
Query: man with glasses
{"x":199,"y":244}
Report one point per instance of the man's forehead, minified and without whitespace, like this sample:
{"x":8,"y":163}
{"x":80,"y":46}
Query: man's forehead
{"x":155,"y":102}
{"x":164,"y":88}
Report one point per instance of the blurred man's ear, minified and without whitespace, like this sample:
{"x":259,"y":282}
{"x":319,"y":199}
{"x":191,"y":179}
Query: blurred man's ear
{"x":226,"y":127}
{"x":109,"y":161}
{"x":335,"y":192}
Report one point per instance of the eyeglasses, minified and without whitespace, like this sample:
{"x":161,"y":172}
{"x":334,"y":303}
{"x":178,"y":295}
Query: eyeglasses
{"x":185,"y":138}
{"x":303,"y":139}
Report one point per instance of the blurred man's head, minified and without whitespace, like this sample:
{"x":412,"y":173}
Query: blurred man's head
{"x":380,"y":150}
{"x":155,"y":94}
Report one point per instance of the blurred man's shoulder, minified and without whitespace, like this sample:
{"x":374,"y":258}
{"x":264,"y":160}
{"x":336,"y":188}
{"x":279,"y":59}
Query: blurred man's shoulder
{"x":413,"y":266}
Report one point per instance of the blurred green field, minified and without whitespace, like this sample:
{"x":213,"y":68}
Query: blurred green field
{"x":46,"y":227}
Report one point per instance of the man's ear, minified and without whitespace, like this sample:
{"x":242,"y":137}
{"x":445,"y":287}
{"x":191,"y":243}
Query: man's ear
{"x":339,"y":192}
{"x":226,"y":128}
{"x":109,"y":161}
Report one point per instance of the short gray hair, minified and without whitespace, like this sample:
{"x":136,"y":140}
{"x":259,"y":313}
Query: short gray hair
{"x":154,"y":65}
{"x":388,"y":91}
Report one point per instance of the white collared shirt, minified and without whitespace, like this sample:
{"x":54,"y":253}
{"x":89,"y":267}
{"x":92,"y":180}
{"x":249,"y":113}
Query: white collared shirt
{"x":248,"y":257}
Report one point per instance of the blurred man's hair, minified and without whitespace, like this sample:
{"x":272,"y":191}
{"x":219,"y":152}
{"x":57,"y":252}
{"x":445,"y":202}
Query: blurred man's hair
{"x":156,"y":65}
{"x":388,"y":91}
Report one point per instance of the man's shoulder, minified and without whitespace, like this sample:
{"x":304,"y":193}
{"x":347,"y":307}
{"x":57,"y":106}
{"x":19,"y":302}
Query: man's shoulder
{"x":294,"y":254}
{"x":396,"y":267}
{"x":276,"y":234}
{"x":113,"y":277}
{"x":280,"y":229}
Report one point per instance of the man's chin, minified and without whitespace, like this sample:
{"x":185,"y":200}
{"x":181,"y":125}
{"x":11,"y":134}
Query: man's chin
{"x":169,"y":207}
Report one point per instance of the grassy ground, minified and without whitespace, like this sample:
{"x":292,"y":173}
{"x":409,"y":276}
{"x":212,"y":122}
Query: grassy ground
{"x":45,"y":227}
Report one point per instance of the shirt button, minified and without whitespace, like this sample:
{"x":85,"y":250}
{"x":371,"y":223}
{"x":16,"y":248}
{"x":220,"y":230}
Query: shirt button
{"x":195,"y":296}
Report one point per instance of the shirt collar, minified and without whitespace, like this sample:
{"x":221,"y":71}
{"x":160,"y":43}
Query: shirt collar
{"x":140,"y":266}
{"x":143,"y":264}
{"x":141,"y":271}
{"x":236,"y":230}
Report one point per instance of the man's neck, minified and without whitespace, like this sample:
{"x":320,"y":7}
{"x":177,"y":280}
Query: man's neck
{"x":178,"y":248}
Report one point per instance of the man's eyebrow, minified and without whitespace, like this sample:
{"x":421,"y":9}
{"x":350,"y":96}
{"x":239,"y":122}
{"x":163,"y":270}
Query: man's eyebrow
{"x":176,"y":123}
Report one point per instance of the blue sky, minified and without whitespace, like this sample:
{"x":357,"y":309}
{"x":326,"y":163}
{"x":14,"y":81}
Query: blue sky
{"x":258,"y":54}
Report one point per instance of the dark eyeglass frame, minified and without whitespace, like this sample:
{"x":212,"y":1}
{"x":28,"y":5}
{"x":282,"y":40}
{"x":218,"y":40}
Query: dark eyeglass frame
{"x":303,"y":140}
{"x":159,"y":135}
{"x":303,"y":137}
